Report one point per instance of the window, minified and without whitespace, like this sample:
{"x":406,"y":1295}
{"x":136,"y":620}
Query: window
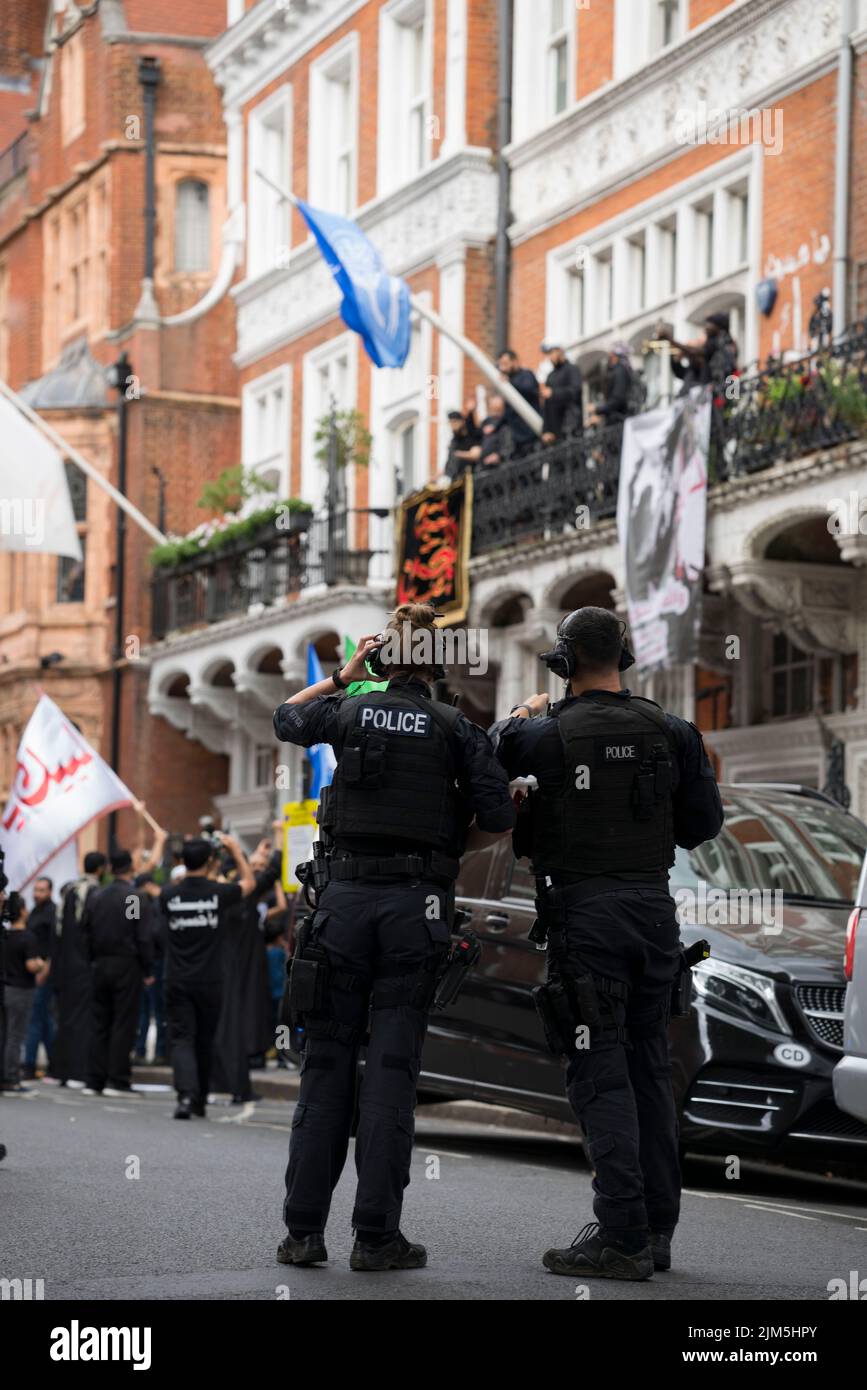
{"x":544,"y":38}
{"x":192,"y":226}
{"x":604,"y":265}
{"x":270,"y":180}
{"x":70,"y":572}
{"x":265,"y":428}
{"x":667,"y":246}
{"x":637,"y":248}
{"x":575,"y":312}
{"x":792,"y":676}
{"x":405,"y":91}
{"x":666,"y":23}
{"x":406,"y":458}
{"x":643,"y":28}
{"x":329,"y":381}
{"x":79,"y":260}
{"x":738,"y":225}
{"x":704,"y":239}
{"x":263,"y":765}
{"x":558,"y":56}
{"x":334,"y":129}
{"x":72,"y":87}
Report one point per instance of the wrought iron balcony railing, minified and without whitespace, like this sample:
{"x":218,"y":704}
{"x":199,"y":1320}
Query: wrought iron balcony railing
{"x":226,"y":583}
{"x":765,"y":416}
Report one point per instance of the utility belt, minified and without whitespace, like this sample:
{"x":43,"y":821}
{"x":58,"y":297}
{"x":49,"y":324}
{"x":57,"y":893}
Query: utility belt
{"x":308,"y":1007}
{"x":552,"y":903}
{"x":344,"y":866}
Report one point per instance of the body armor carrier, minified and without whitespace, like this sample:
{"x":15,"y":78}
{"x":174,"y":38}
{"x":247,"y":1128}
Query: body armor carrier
{"x":396,"y":772}
{"x":613,"y":812}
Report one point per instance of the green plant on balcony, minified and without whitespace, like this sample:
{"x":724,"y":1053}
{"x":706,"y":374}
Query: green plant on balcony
{"x":228,"y":495}
{"x":846,"y":391}
{"x":352,"y":438}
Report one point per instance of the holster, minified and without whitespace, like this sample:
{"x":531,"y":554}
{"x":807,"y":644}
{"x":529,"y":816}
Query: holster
{"x":522,"y":835}
{"x":554,"y":1008}
{"x":681,"y":990}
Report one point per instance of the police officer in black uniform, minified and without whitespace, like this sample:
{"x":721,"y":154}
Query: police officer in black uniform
{"x":411,"y":775}
{"x":619,"y":784}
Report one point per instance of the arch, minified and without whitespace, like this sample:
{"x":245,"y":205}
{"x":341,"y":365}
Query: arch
{"x":589,"y":587}
{"x":799,"y":534}
{"x":506,"y":607}
{"x":326,"y":643}
{"x":175,"y":685}
{"x":218,"y":672}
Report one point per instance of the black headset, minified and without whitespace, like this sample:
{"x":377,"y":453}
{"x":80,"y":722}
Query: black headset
{"x":563,"y":660}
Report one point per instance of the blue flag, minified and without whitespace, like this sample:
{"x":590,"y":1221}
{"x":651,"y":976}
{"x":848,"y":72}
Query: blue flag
{"x":375,"y":304}
{"x":321,"y":755}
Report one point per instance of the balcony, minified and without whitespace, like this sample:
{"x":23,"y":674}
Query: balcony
{"x":259,"y":573}
{"x":780,"y":412}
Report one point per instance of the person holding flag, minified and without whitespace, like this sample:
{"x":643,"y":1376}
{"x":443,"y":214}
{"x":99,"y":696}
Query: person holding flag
{"x":411,"y":775}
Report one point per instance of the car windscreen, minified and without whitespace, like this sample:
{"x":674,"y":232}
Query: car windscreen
{"x":806,"y":848}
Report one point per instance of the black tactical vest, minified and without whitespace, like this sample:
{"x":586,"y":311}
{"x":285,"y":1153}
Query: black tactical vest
{"x":396,"y":771}
{"x":613,"y":813}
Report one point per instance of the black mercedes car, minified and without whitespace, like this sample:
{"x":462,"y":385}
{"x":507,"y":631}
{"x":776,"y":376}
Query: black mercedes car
{"x":753,"y":1061}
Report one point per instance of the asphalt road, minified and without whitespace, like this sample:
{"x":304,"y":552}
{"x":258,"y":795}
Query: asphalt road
{"x":202,"y":1218}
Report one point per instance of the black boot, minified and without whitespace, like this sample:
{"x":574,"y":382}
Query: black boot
{"x":306,"y":1248}
{"x":660,"y":1248}
{"x":391,"y":1252}
{"x":184,"y":1108}
{"x":602,"y":1253}
{"x":197,"y":1106}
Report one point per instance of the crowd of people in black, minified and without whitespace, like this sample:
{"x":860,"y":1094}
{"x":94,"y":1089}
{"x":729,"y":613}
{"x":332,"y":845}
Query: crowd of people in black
{"x":503,"y":434}
{"x":175,"y":954}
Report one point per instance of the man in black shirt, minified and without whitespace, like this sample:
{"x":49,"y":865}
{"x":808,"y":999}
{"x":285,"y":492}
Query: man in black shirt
{"x":41,"y":923}
{"x":523,"y":436}
{"x":71,"y":977}
{"x":22,"y":963}
{"x":197,"y":911}
{"x":563,"y":408}
{"x":117,"y":939}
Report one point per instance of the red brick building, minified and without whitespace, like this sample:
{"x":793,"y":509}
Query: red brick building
{"x":72,"y":260}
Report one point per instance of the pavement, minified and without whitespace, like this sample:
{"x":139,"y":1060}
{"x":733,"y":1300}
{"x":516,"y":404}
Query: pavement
{"x":113,"y":1199}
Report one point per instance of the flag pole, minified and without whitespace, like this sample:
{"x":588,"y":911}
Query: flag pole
{"x":484,"y":363}
{"x":81,"y":462}
{"x":505,"y":388}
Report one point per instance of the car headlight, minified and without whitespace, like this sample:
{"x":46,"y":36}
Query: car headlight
{"x":735,"y":990}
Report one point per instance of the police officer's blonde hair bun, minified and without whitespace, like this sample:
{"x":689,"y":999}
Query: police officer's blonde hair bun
{"x":416,"y":614}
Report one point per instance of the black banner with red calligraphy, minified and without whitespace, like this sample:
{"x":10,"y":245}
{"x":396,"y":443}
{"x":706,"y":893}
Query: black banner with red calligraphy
{"x":433,"y":548}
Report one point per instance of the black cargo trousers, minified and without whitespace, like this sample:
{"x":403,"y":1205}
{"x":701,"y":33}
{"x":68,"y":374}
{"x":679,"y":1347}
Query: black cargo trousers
{"x":620,"y":1088}
{"x":385,"y":941}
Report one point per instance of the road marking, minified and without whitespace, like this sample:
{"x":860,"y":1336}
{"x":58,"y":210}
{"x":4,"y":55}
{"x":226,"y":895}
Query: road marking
{"x":779,"y":1211}
{"x":773,"y":1206}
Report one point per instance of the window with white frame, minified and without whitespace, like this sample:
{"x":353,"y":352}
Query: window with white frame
{"x":329,"y":383}
{"x":192,"y":226}
{"x":557,"y":58}
{"x":657,"y":260}
{"x":792,"y":677}
{"x":405,"y":87}
{"x":263,"y":766}
{"x":705,"y":232}
{"x":545,"y":34}
{"x":644,"y":28}
{"x":270,"y":182}
{"x":265,"y":429}
{"x":334,"y":128}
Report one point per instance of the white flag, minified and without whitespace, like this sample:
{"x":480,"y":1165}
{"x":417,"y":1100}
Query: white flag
{"x":61,"y":784}
{"x":35,"y":507}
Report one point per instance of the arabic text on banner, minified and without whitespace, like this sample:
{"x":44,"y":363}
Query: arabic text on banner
{"x":60,"y":785}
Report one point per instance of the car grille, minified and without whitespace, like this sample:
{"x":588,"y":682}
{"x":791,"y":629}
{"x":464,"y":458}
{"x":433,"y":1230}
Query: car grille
{"x":825,"y":1121}
{"x":727,"y":1100}
{"x":822,"y":1007}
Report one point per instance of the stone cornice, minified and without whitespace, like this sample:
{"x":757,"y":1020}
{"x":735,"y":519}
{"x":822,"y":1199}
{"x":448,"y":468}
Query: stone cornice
{"x":748,"y":57}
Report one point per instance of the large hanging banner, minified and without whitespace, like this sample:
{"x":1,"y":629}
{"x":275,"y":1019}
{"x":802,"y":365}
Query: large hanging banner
{"x":434,"y":530}
{"x":661,"y":518}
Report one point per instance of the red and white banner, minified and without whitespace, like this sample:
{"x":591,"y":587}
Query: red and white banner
{"x":61,"y":784}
